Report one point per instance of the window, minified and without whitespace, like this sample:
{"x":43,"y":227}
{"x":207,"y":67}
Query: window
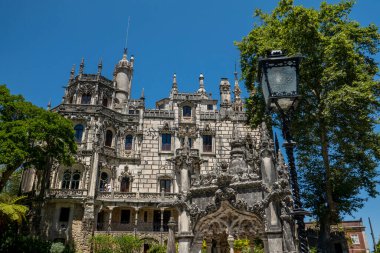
{"x":103,"y":184}
{"x":64,"y":214}
{"x":210,"y":107}
{"x":186,"y":111}
{"x":128,"y":142}
{"x":109,"y":136}
{"x":165,"y":185}
{"x":207,"y":143}
{"x":131,"y":112}
{"x":105,"y":102}
{"x":166,"y":142}
{"x":71,"y":180}
{"x":355,"y":239}
{"x":78,"y":133}
{"x":157,"y":220}
{"x":145,"y":216}
{"x":124,"y":187}
{"x":125,"y":216}
{"x":86,"y":99}
{"x":75,"y":180}
{"x":66,"y":180}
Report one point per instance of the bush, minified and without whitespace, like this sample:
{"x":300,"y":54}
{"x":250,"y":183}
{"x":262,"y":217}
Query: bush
{"x":57,"y":247}
{"x":128,"y":243}
{"x":157,"y":248}
{"x":103,"y":243}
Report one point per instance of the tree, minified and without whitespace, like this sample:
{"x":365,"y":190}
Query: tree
{"x":32,"y":136}
{"x":10,"y":211}
{"x":334,"y":125}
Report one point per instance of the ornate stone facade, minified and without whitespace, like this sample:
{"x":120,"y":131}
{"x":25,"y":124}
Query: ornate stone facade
{"x":137,"y":167}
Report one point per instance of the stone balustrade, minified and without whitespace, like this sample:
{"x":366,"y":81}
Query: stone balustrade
{"x":148,"y":196}
{"x":66,"y":193}
{"x":153,"y":113}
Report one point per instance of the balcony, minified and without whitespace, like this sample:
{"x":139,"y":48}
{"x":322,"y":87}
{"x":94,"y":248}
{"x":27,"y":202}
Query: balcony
{"x":66,"y":193}
{"x":135,"y":196}
{"x":130,"y":227}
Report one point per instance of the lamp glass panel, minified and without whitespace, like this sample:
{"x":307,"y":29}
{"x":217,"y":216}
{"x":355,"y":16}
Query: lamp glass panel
{"x":282,"y":80}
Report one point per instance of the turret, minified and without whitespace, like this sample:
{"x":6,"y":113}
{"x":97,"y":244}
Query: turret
{"x":174,"y":89}
{"x":238,"y":103}
{"x":201,"y":84}
{"x":225,"y":93}
{"x":123,"y":77}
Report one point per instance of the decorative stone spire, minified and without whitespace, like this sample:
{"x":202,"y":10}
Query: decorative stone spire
{"x":49,"y":105}
{"x":72,"y":72}
{"x":142,"y":94}
{"x":225,"y":93}
{"x":174,"y":85}
{"x":81,"y":67}
{"x":100,"y":67}
{"x":238,"y":103}
{"x":201,"y":84}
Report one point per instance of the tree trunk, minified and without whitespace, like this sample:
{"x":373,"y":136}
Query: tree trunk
{"x":324,"y":244}
{"x":5,"y":176}
{"x":329,"y":212}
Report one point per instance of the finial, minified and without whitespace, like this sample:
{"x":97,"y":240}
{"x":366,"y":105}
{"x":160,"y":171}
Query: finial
{"x":100,"y":66}
{"x":81,"y":67}
{"x":125,"y":54}
{"x":174,"y":86}
{"x":142,"y":94}
{"x":49,"y":105}
{"x":72,"y":72}
{"x":201,"y":81}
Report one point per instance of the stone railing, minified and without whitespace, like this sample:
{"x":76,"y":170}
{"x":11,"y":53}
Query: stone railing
{"x":130,"y":227}
{"x":209,"y":115}
{"x":66,"y":193}
{"x":155,"y":196}
{"x":153,"y":113}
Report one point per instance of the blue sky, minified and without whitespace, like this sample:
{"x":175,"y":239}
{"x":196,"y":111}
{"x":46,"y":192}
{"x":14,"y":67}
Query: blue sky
{"x":41,"y":40}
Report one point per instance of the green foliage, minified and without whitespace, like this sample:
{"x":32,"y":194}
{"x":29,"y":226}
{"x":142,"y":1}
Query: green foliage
{"x":31,"y":136}
{"x":157,"y":248}
{"x":122,"y":244}
{"x":57,"y":247}
{"x":377,"y":247}
{"x":334,"y":125}
{"x":10,"y":211}
{"x":241,"y":245}
{"x":103,"y":243}
{"x":13,"y":242}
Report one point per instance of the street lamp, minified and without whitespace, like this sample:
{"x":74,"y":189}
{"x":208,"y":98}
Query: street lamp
{"x":278,"y":76}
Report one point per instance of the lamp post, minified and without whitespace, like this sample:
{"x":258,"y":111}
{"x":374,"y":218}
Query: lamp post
{"x":279,"y":76}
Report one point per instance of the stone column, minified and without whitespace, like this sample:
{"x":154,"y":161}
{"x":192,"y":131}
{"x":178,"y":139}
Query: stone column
{"x":93,"y":175}
{"x":162,"y":224}
{"x":209,"y":245}
{"x":230,"y":241}
{"x":275,"y":242}
{"x":109,"y":228}
{"x":171,"y":239}
{"x":136,"y":218}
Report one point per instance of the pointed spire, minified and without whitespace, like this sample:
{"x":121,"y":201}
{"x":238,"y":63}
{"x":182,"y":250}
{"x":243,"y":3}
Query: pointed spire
{"x":81,"y":67}
{"x":142,"y":94}
{"x":201,"y":84}
{"x":49,"y":105}
{"x":72,"y":72}
{"x":125,"y":54}
{"x":281,"y":161}
{"x":174,"y":86}
{"x":100,"y":66}
{"x":237,"y":90}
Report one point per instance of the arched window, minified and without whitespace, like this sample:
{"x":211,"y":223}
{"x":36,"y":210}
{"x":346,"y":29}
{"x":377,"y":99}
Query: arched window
{"x":71,"y":180}
{"x":186,"y":111}
{"x":66,"y":179}
{"x":109,"y":136}
{"x":103,"y":184}
{"x":75,"y":179}
{"x":128,"y":142}
{"x":124,"y":186}
{"x":78,"y":132}
{"x":86,"y":99}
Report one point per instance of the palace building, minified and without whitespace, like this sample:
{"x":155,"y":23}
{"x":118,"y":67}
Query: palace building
{"x":190,"y":160}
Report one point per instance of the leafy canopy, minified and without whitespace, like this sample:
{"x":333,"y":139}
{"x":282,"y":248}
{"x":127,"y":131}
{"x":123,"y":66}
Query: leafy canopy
{"x":334,"y":124}
{"x":30,"y":135}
